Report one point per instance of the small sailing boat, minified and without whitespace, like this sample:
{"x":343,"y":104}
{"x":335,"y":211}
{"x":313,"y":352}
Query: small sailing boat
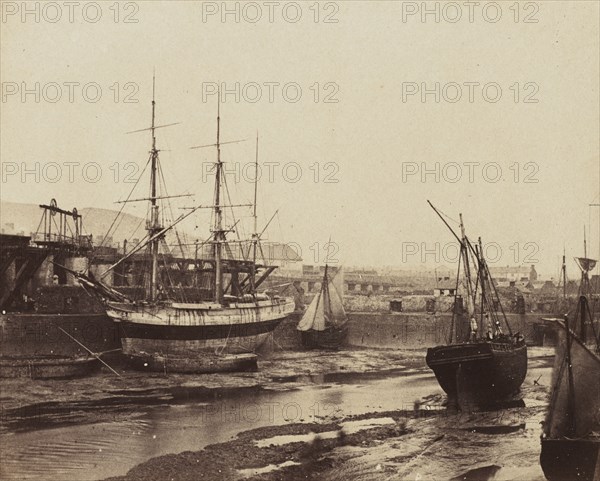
{"x":166,"y":330}
{"x":481,"y":364}
{"x":571,"y":433}
{"x":324,"y":325}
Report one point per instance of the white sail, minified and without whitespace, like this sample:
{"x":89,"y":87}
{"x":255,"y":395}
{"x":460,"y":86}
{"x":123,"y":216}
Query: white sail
{"x":314,"y":317}
{"x":336,"y":306}
{"x":327,"y":308}
{"x":338,"y":282}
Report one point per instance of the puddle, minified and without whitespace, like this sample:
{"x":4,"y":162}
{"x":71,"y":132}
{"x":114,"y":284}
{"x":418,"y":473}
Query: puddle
{"x":486,"y":473}
{"x":346,"y":377}
{"x":247,"y":473}
{"x":506,"y":429}
{"x":349,"y":427}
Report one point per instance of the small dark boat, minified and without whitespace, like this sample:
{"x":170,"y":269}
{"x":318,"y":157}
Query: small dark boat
{"x":324,"y":325}
{"x":48,"y":367}
{"x":484,"y":365}
{"x":479,"y":372}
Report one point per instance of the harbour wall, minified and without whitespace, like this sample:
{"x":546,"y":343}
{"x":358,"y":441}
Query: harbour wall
{"x":32,"y":334}
{"x":46,"y":334}
{"x":401,"y":330}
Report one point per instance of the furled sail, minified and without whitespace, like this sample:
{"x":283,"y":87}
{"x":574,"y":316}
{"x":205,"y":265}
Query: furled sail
{"x":586,"y":264}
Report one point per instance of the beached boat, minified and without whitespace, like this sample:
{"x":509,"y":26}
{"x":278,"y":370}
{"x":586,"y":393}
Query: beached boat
{"x":571,"y":434}
{"x":484,"y":364}
{"x":48,"y":367}
{"x":324,"y":325}
{"x":165,"y":330}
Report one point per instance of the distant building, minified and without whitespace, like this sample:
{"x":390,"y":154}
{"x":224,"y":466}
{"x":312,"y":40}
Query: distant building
{"x":510,"y":273}
{"x":533,"y":275}
{"x":444,"y":291}
{"x":547,"y":288}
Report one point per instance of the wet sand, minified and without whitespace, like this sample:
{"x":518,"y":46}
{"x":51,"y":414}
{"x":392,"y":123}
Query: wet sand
{"x":408,"y":433}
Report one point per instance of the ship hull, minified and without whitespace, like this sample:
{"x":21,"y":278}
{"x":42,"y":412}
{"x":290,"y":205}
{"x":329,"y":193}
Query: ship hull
{"x":570,"y":442}
{"x":476,"y":374}
{"x":331,"y":338}
{"x":196,"y":339}
{"x":567,"y":459}
{"x":207,"y":363}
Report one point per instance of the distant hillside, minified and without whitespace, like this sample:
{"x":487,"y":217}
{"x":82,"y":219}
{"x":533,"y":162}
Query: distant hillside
{"x":18,"y":218}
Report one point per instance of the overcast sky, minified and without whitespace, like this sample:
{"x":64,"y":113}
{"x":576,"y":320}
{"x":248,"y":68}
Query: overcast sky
{"x":511,"y":140}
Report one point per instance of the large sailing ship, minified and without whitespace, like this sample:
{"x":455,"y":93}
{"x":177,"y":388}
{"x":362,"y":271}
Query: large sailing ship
{"x":175,"y":329}
{"x":571,"y":434}
{"x":484,"y":364}
{"x":324,"y":325}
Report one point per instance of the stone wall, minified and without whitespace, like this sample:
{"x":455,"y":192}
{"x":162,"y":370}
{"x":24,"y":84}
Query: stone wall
{"x":41,"y":334}
{"x":400,"y":330}
{"x":419,"y":330}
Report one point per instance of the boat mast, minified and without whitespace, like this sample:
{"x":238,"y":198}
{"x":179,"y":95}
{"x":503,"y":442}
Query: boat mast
{"x":255,"y":231}
{"x":571,"y":385}
{"x":326,"y":295}
{"x":564,"y":275}
{"x":585,"y":281}
{"x":482,"y":280}
{"x":465,"y":257}
{"x":153,"y":225}
{"x":218,"y":226}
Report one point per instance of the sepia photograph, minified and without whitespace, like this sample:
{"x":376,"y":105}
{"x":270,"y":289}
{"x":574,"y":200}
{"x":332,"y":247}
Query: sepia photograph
{"x":312,"y":240}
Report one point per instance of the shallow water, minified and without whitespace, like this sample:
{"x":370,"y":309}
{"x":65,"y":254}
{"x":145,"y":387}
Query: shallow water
{"x":97,"y":451}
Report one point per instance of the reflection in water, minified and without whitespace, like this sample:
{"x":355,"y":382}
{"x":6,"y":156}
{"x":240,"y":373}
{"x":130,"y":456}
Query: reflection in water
{"x":487,"y":473}
{"x":246,"y":473}
{"x":91,"y":452}
{"x":439,"y":445}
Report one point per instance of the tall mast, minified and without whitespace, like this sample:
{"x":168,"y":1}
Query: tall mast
{"x":255,"y":231}
{"x":564,"y":275}
{"x":153,"y":224}
{"x":326,"y":295}
{"x":571,"y":386}
{"x":482,"y":280}
{"x":465,"y":256}
{"x":585,"y":281}
{"x":218,"y":227}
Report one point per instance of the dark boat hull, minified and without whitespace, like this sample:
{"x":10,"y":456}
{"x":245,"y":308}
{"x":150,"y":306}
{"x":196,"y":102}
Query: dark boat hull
{"x":570,"y":440}
{"x":196,"y":365}
{"x":48,"y":367}
{"x":331,"y":338}
{"x":478,"y":373}
{"x":566,"y":459}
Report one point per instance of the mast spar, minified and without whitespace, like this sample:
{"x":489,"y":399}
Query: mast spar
{"x":153,"y":223}
{"x":218,"y":227}
{"x":564,"y":274}
{"x":255,"y":231}
{"x":467,"y":270}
